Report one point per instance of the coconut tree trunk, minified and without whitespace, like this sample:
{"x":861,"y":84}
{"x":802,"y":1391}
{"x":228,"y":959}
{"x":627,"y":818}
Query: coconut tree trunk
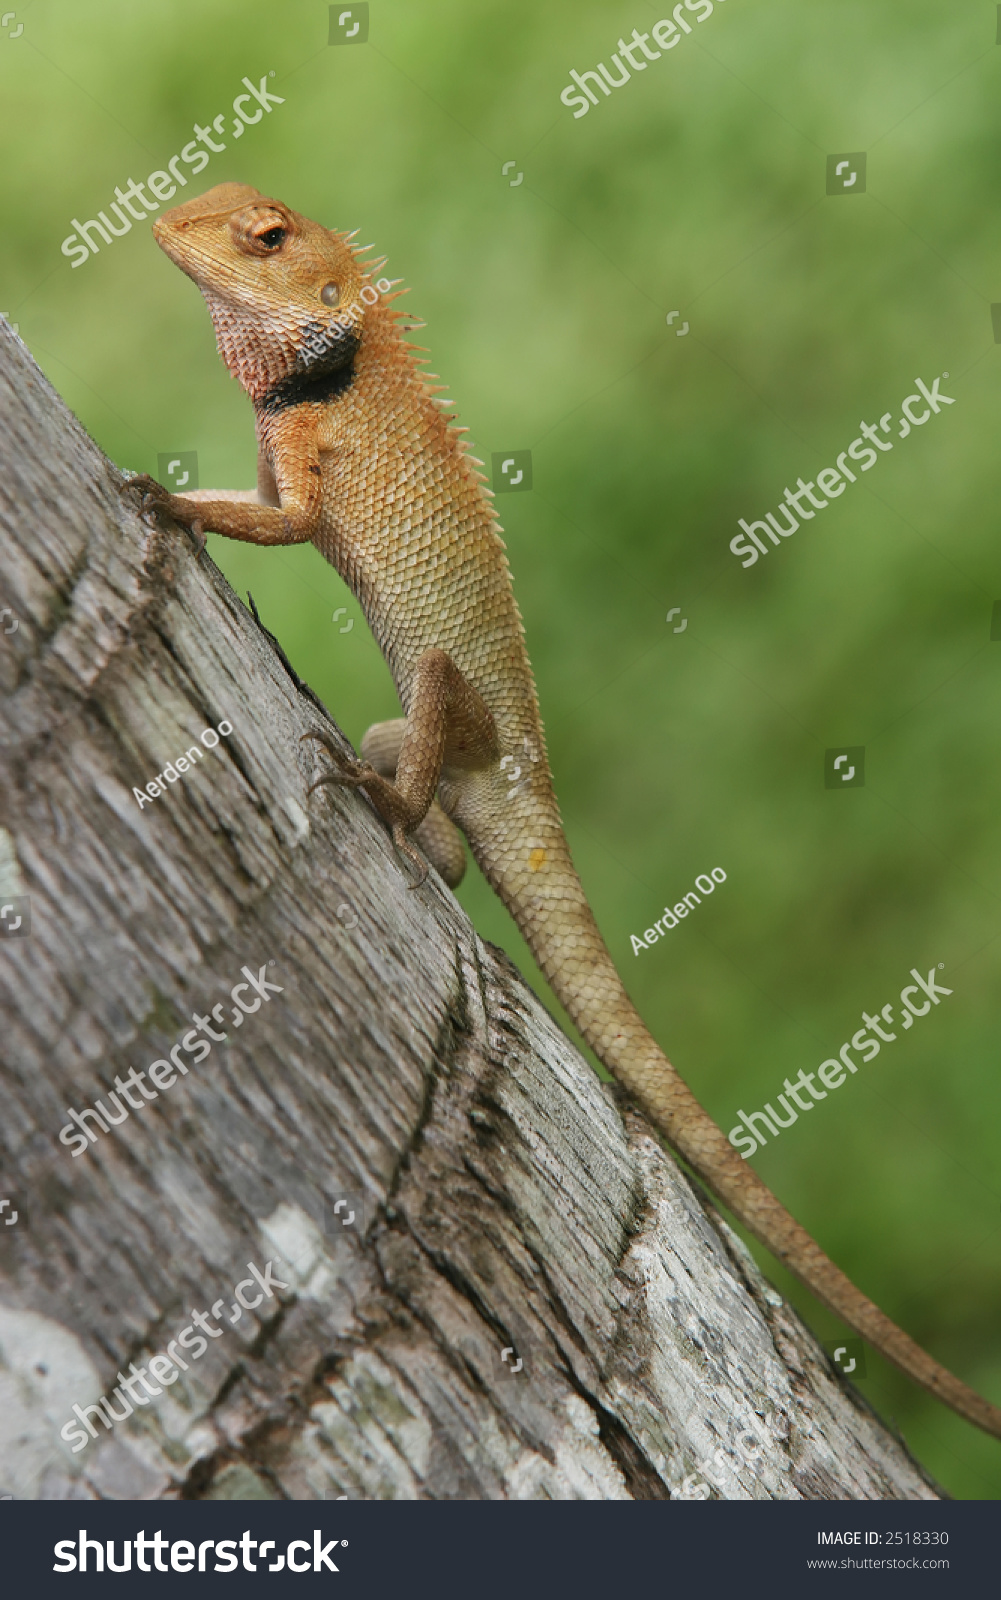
{"x":436,"y":1258}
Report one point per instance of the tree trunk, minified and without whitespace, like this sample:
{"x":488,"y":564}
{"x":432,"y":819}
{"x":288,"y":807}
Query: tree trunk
{"x":495,"y":1284}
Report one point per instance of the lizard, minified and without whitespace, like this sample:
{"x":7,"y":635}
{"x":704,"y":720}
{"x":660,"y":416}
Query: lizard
{"x":359,"y":454}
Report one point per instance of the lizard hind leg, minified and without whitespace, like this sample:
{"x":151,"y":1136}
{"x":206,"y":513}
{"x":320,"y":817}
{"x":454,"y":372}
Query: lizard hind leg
{"x":437,"y":835}
{"x":448,"y":725}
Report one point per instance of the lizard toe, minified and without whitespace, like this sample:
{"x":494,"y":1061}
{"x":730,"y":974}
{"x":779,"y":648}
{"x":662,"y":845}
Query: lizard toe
{"x":411,"y":854}
{"x":347,"y":772}
{"x":143,"y":483}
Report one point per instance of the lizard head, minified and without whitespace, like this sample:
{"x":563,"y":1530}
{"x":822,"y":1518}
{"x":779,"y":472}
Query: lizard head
{"x":284,"y":293}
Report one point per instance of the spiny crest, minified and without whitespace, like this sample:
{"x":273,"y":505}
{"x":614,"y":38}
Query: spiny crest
{"x":418,"y":356}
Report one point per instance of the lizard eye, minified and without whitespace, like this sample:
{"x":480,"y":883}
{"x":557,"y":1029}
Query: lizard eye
{"x":261,"y":229}
{"x":330,"y":294}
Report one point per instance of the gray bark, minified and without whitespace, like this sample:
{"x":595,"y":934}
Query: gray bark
{"x":502,"y":1199}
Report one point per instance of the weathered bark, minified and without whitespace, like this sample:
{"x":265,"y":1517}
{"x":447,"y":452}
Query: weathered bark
{"x":503,"y":1199}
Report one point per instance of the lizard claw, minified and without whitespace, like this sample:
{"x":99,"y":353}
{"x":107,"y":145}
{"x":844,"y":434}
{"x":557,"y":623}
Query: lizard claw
{"x":143,"y":482}
{"x":151,"y":494}
{"x":411,"y":854}
{"x":154,"y":498}
{"x":350,"y":773}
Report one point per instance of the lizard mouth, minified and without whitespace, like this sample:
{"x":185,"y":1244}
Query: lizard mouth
{"x":163,"y":236}
{"x":180,"y":248}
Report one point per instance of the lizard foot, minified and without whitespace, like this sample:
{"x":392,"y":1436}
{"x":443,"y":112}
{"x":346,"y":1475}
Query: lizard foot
{"x":155,"y":498}
{"x":383,"y":794}
{"x":349,"y":773}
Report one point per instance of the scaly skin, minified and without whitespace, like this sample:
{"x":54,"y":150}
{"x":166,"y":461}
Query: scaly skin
{"x":357,"y":455}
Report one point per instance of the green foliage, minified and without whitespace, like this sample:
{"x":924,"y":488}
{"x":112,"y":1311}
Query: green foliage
{"x":699,"y":186}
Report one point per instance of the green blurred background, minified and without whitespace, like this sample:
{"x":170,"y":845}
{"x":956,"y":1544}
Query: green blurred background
{"x":700,"y":187}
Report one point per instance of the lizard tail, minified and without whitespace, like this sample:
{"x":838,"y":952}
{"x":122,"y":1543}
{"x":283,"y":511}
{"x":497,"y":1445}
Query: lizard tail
{"x":559,"y":927}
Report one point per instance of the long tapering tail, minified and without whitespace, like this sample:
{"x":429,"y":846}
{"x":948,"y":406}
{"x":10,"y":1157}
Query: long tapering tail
{"x":560,"y":929}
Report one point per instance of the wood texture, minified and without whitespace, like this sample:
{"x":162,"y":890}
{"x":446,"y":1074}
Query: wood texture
{"x":502,"y":1199}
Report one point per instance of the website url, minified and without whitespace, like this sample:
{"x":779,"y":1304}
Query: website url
{"x":868,"y":1563}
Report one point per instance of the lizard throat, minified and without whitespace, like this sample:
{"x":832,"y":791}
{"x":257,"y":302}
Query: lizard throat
{"x":301,"y":388}
{"x":278,"y":362}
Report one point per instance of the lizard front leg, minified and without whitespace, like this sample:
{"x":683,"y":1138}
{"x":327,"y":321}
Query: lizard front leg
{"x":298,"y":485}
{"x":448,"y":725}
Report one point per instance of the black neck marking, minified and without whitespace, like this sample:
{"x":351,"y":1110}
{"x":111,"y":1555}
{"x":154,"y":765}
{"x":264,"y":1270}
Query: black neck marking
{"x":304,"y":388}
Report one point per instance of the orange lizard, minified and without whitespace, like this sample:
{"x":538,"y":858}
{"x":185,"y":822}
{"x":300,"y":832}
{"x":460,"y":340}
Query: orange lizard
{"x":356,"y":454}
